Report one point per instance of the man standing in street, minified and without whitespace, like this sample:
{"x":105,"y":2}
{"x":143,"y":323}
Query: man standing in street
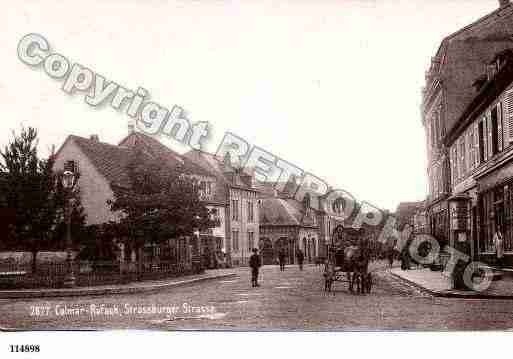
{"x":281,"y":258}
{"x":300,"y":258}
{"x":254,"y":263}
{"x":498,"y":242}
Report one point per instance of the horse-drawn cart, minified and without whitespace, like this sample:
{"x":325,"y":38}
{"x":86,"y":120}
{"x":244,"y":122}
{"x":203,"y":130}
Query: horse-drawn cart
{"x":348,"y":261}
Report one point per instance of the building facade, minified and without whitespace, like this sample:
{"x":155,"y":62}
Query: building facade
{"x":481,"y":152}
{"x":236,"y":190}
{"x":102,"y":166}
{"x":287,"y":225}
{"x":450,"y":87}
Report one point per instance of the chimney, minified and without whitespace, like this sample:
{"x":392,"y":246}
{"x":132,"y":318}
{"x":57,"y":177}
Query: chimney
{"x":94,"y":138}
{"x":503,"y":3}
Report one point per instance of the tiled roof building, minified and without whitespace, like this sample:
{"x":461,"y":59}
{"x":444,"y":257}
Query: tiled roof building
{"x":103,"y":166}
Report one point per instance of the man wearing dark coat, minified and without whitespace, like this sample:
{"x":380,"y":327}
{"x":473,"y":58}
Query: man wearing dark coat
{"x":254,"y":263}
{"x":281,"y":259}
{"x":300,"y":258}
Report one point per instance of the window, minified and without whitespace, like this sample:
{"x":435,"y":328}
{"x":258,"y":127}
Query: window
{"x":338,"y":205}
{"x":435,"y":182}
{"x":251,"y":214}
{"x":205,"y":188}
{"x":251,"y":241}
{"x":215,"y":217}
{"x":481,"y":142}
{"x":433,"y":134}
{"x":471,"y":151}
{"x":438,"y":129}
{"x":235,"y":241}
{"x":235,"y":209}
{"x":462,"y":158}
{"x":71,"y":165}
{"x":495,"y":132}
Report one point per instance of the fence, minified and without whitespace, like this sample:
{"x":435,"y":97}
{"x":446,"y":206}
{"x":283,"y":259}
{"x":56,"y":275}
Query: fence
{"x":52,"y":275}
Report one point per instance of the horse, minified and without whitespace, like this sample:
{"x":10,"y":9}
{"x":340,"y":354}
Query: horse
{"x":356,"y":263}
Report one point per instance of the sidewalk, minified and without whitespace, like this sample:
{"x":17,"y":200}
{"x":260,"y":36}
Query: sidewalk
{"x":438,"y":285}
{"x":131,"y":288}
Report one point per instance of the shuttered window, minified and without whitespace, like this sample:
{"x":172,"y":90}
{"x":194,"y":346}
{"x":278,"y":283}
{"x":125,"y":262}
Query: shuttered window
{"x":507,"y":120}
{"x":471,"y":148}
{"x":452,"y":157}
{"x":485,"y":140}
{"x":476,"y":145}
{"x":489,"y":131}
{"x":462,"y":157}
{"x":500,"y":137}
{"x":468,"y":149}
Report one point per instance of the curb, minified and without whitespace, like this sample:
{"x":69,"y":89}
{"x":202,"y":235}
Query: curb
{"x":452,"y":293}
{"x":92,"y":291}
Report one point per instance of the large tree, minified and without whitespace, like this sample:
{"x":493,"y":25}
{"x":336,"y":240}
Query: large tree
{"x":34,"y":193}
{"x":161,"y":203}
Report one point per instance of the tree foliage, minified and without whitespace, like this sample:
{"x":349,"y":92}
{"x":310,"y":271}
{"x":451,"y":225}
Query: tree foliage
{"x":162,"y":203}
{"x":33,"y":192}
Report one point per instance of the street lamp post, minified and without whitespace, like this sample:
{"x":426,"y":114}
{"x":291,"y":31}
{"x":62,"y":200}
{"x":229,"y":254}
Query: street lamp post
{"x":68,"y":181}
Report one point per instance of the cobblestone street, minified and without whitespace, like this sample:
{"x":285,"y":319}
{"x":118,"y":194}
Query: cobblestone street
{"x":290,"y":300}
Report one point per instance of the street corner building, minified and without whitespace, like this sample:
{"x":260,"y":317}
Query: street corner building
{"x":467,"y":114}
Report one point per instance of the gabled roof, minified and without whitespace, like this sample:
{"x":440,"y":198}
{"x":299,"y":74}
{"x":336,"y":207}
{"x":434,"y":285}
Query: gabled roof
{"x":276,"y":211}
{"x":162,"y":153}
{"x":283,"y":212}
{"x":226,"y":175}
{"x":466,"y":61}
{"x":111,"y":161}
{"x":489,"y":91}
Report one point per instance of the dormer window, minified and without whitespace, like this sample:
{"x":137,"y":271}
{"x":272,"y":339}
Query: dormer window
{"x":491,"y":71}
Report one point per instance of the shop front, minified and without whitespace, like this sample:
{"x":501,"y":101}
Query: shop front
{"x":437,"y":221}
{"x":495,"y":214}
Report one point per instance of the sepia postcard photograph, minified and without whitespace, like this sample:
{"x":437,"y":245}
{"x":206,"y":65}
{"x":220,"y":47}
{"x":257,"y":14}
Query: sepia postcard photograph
{"x":255,"y":166}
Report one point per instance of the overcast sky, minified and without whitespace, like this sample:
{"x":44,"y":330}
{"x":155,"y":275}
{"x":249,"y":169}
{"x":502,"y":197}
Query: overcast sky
{"x":330,"y":86}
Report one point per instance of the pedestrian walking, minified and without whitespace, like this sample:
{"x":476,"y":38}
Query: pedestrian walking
{"x":391,"y":255}
{"x":255,"y":263}
{"x":300,"y":258}
{"x":498,"y":242}
{"x":281,"y":259}
{"x":405,"y":259}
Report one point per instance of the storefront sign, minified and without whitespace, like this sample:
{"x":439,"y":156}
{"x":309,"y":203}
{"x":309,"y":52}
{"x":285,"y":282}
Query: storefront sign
{"x":459,"y":215}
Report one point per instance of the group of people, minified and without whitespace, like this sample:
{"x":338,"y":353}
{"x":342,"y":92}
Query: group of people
{"x":255,"y":262}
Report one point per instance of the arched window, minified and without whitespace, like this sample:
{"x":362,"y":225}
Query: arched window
{"x":338,"y":205}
